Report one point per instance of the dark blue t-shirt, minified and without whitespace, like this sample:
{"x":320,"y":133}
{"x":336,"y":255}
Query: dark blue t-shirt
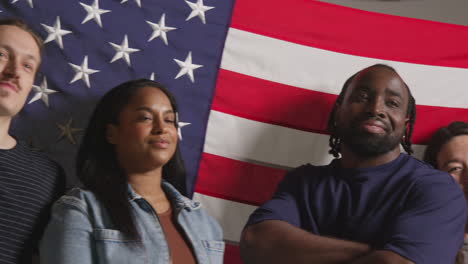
{"x":404,"y":206}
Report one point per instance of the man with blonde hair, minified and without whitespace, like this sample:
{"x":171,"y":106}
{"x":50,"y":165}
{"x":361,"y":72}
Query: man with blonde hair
{"x":29,"y":181}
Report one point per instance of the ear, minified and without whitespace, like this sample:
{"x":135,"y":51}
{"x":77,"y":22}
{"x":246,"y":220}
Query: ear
{"x":406,"y":129}
{"x":111,"y":133}
{"x":407,"y":123}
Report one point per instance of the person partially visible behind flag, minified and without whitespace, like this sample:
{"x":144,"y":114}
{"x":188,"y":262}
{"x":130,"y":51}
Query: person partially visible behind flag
{"x":448,"y":151}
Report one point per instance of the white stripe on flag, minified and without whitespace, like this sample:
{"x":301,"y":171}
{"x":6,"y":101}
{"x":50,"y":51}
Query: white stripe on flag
{"x":251,"y":141}
{"x":325,"y":71}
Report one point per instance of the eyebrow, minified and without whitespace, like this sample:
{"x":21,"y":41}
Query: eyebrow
{"x":145,"y":108}
{"x":31,"y":57}
{"x":362,"y":88}
{"x":393,"y":92}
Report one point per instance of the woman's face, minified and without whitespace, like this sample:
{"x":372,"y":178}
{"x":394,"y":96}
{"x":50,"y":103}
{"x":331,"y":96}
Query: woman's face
{"x":453,"y":158}
{"x":146,"y":136}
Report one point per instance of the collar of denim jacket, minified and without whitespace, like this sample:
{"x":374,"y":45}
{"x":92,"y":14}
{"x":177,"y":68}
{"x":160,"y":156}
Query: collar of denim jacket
{"x":180,"y":201}
{"x":177,"y":199}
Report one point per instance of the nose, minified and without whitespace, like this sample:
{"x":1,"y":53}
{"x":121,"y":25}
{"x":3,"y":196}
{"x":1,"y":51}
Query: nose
{"x":159,"y":126}
{"x":11,"y":69}
{"x":376,"y":107}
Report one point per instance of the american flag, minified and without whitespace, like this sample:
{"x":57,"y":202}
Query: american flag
{"x":255,"y":81}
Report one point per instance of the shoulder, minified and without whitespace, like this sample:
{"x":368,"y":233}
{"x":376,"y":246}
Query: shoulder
{"x":35,"y":157}
{"x":307,"y":174}
{"x":307,"y":170}
{"x":428,"y":185}
{"x":36,"y":175}
{"x":410,"y":161}
{"x":424,"y":174}
{"x":77,"y":199}
{"x":75,"y":210}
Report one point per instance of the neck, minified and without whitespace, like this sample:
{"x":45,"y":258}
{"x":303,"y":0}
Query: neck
{"x":352,"y":160}
{"x":6,"y":141}
{"x":148,"y":185}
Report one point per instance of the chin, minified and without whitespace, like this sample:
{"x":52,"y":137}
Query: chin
{"x":372,"y":146}
{"x":10,"y":114}
{"x":160,"y":161}
{"x":5,"y":110}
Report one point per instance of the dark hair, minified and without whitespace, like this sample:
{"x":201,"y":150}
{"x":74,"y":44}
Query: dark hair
{"x":22,"y":25}
{"x":441,"y":137}
{"x":97,"y":165}
{"x":335,"y":140}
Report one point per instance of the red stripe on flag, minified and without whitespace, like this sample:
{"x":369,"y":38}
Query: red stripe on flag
{"x":232,"y":254}
{"x":236,"y":180}
{"x":352,"y":31}
{"x":303,"y":109}
{"x":272,"y":102}
{"x":431,"y":118}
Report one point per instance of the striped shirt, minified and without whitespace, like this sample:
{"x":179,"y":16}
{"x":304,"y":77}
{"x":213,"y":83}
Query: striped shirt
{"x":29,"y":183}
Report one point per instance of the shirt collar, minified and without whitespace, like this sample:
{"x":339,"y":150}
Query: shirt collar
{"x":177,"y":199}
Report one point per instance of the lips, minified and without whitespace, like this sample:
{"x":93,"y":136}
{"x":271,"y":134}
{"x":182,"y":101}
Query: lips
{"x":160,"y":143}
{"x":9,"y":85}
{"x":374,"y":126}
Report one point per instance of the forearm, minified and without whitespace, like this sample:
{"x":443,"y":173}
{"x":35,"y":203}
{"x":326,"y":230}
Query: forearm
{"x":382,"y":257}
{"x":279,"y":242}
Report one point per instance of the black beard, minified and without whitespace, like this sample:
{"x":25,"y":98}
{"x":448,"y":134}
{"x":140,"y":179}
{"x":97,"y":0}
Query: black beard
{"x":368,"y":145}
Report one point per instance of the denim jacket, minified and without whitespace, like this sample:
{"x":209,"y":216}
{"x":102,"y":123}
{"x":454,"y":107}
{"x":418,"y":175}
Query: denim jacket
{"x":80,"y":231}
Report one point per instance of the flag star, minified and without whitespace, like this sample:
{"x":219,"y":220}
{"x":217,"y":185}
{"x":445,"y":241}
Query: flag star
{"x":94,"y":12}
{"x":160,"y":30}
{"x":187,"y":67}
{"x":122,"y":51}
{"x":55,"y":33}
{"x":198,"y":9}
{"x":137,"y":1}
{"x":30,"y":2}
{"x":42,"y":92}
{"x":179,"y":129}
{"x":66,"y":130}
{"x":82,"y":72}
{"x":152,"y":76}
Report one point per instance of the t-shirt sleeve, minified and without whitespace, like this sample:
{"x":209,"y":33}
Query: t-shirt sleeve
{"x":430,"y":228}
{"x":284,"y":203}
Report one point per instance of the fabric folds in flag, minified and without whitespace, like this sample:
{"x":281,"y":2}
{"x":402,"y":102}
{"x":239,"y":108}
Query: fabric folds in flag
{"x":255,"y":80}
{"x":282,"y":68}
